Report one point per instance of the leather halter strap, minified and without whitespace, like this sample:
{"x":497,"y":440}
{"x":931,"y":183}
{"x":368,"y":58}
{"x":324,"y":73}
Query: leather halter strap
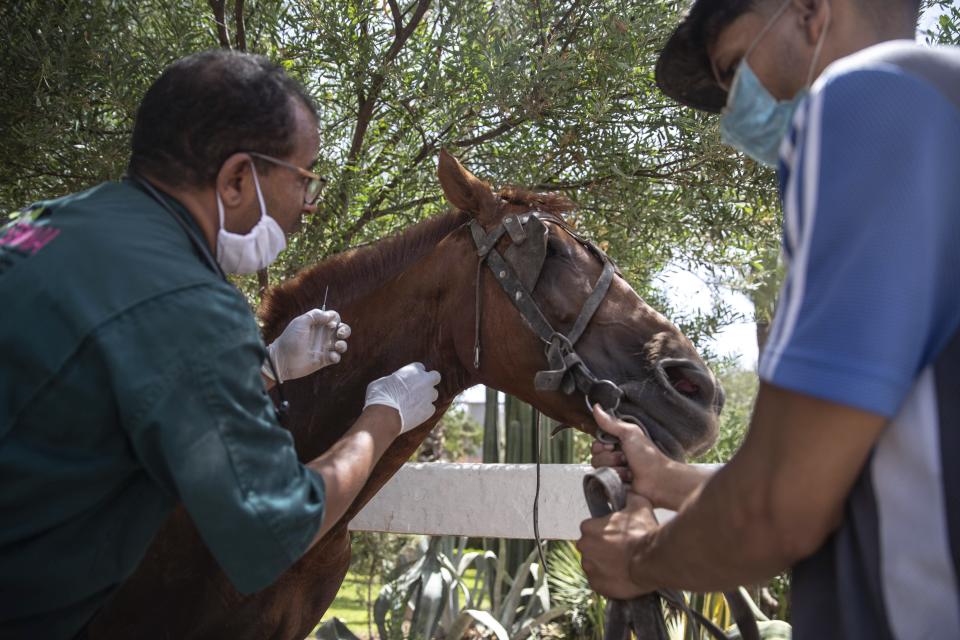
{"x":508,"y":278}
{"x":567,"y":370}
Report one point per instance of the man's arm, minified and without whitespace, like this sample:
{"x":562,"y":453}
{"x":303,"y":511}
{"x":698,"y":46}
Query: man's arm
{"x":346,"y":466}
{"x":394,"y":405}
{"x":774,"y":503}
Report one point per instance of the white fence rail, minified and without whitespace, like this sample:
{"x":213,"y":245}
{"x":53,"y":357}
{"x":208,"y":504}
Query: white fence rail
{"x":481,"y":500}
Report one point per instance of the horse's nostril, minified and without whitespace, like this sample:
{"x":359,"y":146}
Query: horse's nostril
{"x":689,"y":379}
{"x":681,"y":382}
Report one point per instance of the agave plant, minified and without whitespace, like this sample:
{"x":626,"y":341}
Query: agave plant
{"x":569,"y":587}
{"x":434,"y":593}
{"x":334,"y":629}
{"x":714,"y":607}
{"x":585,"y":609}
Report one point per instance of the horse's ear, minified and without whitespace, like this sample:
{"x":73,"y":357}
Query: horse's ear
{"x":465,"y":191}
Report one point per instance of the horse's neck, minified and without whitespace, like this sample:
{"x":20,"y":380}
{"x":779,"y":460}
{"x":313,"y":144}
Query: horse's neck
{"x":401,"y":322}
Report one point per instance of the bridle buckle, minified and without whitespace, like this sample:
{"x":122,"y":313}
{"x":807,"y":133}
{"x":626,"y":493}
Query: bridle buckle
{"x":606,"y":393}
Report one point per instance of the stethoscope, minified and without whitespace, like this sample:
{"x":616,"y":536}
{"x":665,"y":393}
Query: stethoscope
{"x":283,"y":409}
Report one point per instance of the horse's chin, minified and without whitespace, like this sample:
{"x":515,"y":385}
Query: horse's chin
{"x":661,"y":436}
{"x":681,"y":426}
{"x":690,"y":432}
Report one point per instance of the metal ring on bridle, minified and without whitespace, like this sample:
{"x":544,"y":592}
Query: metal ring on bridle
{"x":596,"y":388}
{"x":602,"y":435}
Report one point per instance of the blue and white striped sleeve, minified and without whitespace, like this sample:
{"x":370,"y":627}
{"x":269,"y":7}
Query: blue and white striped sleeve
{"x":872,"y":227}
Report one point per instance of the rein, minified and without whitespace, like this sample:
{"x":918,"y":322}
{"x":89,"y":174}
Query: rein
{"x":643,"y":616}
{"x":567,"y":373}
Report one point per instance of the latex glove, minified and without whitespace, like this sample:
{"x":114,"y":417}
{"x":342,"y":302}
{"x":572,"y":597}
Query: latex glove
{"x":411,"y":390}
{"x":310,"y":342}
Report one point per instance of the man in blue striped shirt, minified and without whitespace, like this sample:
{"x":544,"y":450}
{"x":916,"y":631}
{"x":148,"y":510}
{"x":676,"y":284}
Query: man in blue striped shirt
{"x":845,"y":473}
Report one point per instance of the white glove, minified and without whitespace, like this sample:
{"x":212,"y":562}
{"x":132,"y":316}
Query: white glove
{"x":310,"y":342}
{"x":411,"y":390}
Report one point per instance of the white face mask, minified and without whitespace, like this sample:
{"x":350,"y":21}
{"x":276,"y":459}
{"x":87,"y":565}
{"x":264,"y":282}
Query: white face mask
{"x":248,"y":253}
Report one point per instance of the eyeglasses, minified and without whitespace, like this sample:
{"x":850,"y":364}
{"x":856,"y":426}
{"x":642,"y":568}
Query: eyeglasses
{"x":314,"y":184}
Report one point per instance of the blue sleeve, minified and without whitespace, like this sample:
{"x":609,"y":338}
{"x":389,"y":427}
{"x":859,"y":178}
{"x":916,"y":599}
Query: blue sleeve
{"x":186,"y":370}
{"x":872,"y":227}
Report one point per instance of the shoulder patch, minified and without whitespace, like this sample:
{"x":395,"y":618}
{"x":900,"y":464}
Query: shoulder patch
{"x":24,"y":236}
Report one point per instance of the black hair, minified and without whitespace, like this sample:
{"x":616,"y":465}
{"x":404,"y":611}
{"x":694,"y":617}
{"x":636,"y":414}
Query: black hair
{"x":207,"y":106}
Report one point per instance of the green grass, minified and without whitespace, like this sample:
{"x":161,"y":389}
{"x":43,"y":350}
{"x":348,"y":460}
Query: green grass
{"x":350,"y":604}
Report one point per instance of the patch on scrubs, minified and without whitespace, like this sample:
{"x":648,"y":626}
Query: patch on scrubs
{"x":24,"y":237}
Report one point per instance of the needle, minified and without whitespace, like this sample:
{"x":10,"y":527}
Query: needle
{"x":324,"y":307}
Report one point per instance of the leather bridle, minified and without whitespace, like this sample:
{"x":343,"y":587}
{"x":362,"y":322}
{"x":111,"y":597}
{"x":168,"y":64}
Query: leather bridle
{"x":567,"y":373}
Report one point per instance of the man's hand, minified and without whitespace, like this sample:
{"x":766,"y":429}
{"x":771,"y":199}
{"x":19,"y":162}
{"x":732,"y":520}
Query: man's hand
{"x":608,"y":545}
{"x":637,"y":452}
{"x":773,"y":504}
{"x":411,"y":390}
{"x":665,"y":482}
{"x":310,"y":342}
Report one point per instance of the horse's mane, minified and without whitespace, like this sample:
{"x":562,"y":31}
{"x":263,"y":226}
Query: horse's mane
{"x":355,"y":272}
{"x":547,"y":202}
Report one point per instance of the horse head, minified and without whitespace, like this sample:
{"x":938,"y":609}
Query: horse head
{"x":627,"y":348}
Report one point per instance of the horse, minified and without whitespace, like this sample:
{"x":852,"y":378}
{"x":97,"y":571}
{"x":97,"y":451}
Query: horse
{"x":417,"y":296}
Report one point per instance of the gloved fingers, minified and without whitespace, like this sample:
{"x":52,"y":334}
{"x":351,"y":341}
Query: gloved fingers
{"x":333,"y":319}
{"x":340,"y":346}
{"x":423,"y":377}
{"x":428,"y":378}
{"x":323,"y":358}
{"x":319,"y":316}
{"x":344,"y":331}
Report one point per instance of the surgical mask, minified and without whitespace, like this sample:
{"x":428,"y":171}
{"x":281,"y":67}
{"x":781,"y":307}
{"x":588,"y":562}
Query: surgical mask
{"x":753,"y":120}
{"x":255,"y":250}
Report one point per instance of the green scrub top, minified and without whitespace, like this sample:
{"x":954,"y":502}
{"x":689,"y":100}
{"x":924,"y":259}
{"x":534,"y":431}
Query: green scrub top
{"x":129,"y":381}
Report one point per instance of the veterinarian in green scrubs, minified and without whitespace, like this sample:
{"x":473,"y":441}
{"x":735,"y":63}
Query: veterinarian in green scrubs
{"x":132,"y":374}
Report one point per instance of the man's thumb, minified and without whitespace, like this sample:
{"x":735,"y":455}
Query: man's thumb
{"x":607,"y":422}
